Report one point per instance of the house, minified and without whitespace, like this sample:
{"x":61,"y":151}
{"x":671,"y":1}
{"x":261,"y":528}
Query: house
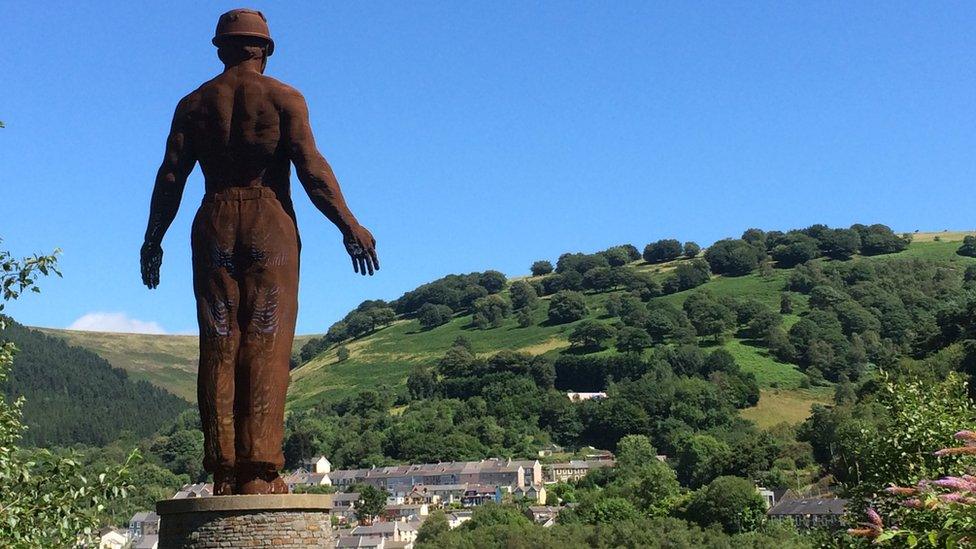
{"x":543,"y":514}
{"x":532,"y":471}
{"x":389,"y":531}
{"x":112,"y":538}
{"x":198,"y":490}
{"x":317,"y":464}
{"x":143,"y":523}
{"x":810,"y":513}
{"x":345,"y":500}
{"x":536,"y":494}
{"x":457,"y":518}
{"x":361,"y":542}
{"x":479,"y":494}
{"x":405,"y":511}
{"x":573,"y":470}
{"x":150,"y":541}
{"x":580,"y":397}
{"x":549,"y":449}
{"x":302,"y":477}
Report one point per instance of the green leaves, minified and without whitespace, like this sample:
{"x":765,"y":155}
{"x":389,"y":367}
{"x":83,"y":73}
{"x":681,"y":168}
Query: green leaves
{"x":46,"y":501}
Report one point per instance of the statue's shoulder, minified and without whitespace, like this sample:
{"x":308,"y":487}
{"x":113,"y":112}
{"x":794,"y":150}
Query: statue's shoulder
{"x":285,"y":96}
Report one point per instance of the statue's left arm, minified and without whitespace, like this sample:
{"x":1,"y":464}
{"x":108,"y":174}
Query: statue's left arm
{"x":177,"y":164}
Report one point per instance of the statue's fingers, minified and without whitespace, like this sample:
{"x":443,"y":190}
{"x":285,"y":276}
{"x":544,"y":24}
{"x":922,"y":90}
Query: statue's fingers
{"x":376,"y":260}
{"x":369,"y":264}
{"x":355,"y":266}
{"x":362,"y":265}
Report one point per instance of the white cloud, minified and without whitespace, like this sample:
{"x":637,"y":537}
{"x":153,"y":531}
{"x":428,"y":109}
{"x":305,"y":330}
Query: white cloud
{"x":115,"y":322}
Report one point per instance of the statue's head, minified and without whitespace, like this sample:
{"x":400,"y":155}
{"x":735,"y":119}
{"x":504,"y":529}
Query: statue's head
{"x":243,"y":34}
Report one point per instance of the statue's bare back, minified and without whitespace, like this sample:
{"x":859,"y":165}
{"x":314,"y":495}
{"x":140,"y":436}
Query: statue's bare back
{"x":245,"y":129}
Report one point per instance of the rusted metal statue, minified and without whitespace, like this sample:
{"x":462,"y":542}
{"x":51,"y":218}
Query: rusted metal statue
{"x":245,"y":129}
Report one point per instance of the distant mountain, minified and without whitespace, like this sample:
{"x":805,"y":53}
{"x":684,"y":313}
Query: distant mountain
{"x":386,"y":354}
{"x":74,"y":396}
{"x":166,"y":361}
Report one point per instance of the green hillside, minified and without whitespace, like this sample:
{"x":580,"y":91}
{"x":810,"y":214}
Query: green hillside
{"x":168,"y":361}
{"x":386,"y":356}
{"x":74,"y":396}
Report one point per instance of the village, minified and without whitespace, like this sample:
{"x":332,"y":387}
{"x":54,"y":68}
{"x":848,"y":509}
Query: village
{"x":414,"y":491}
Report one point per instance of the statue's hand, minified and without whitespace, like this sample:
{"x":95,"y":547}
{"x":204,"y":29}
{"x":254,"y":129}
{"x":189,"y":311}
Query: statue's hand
{"x":151,"y":257}
{"x":362,"y":249}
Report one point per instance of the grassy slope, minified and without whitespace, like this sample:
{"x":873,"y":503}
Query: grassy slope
{"x":169,"y":361}
{"x":386,"y":356}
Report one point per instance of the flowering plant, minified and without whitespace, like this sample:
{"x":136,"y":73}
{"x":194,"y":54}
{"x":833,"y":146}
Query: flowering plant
{"x":945,"y":508}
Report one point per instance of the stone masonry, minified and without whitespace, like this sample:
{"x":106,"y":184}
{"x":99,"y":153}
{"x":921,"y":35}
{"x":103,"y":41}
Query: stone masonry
{"x":217,"y":523}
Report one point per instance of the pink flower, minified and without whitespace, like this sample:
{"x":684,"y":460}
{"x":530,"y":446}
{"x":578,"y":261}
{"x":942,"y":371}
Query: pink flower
{"x":957,"y":498}
{"x":966,"y":435}
{"x":870,"y":533}
{"x":901,"y":491}
{"x":874,"y":517}
{"x":954,"y":483}
{"x":913,"y":503}
{"x":962,"y":450}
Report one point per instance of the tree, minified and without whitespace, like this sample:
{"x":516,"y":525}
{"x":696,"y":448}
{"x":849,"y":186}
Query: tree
{"x":359,"y":323}
{"x":522,"y":294}
{"x":542,"y":267}
{"x":47,"y":500}
{"x":691,"y":249}
{"x":382,"y":316}
{"x":879,"y":239}
{"x":633,"y":340}
{"x":795,"y":248}
{"x":756,"y":237}
{"x":435,"y":525}
{"x":421,"y":383}
{"x":337,"y":332}
{"x":785,"y":303}
{"x":734,"y":257}
{"x":491,"y":311}
{"x":342,"y":353}
{"x":370,"y":504}
{"x":840,"y":244}
{"x":567,"y":306}
{"x":687,"y":276}
{"x":709,"y":316}
{"x":493,"y":281}
{"x":599,"y":279}
{"x":663,"y":250}
{"x":580,"y":262}
{"x":523,"y":317}
{"x":617,"y":256}
{"x":591,"y":334}
{"x":700,"y":458}
{"x":968,"y":247}
{"x":432,"y":315}
{"x":731,"y":502}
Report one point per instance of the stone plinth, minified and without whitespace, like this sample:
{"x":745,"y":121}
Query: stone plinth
{"x":287,"y":521}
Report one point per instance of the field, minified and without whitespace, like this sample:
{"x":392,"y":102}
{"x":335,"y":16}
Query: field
{"x":168,"y":361}
{"x":386,"y":356}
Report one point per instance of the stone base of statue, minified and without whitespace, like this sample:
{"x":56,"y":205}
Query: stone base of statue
{"x":285,"y":521}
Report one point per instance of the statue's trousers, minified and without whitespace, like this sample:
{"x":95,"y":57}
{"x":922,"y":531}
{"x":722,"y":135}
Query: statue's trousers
{"x":245,"y":278}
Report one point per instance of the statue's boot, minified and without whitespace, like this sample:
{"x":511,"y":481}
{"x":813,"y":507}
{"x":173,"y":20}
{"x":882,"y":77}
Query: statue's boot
{"x":252,"y":481}
{"x":224,"y":481}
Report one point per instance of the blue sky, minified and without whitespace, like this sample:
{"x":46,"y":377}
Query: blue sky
{"x":476,"y":135}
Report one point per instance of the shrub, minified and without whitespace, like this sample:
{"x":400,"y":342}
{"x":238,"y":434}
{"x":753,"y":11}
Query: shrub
{"x":662,"y":250}
{"x":566,"y":306}
{"x":541,"y":267}
{"x":432,"y":315}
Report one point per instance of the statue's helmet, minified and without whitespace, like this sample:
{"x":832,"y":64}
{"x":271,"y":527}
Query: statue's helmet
{"x":243,"y":22}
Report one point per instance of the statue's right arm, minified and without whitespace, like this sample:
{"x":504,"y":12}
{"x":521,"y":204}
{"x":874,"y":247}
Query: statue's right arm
{"x":178,"y":162}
